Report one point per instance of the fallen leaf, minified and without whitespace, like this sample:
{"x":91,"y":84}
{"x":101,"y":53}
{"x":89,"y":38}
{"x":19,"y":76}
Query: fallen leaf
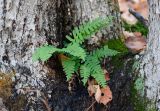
{"x":103,"y":95}
{"x":135,"y":43}
{"x":98,"y":94}
{"x":92,"y":87}
{"x":62,"y":57}
{"x":106,"y":95}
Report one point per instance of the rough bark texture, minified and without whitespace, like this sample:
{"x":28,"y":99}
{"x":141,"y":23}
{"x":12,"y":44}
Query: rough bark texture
{"x":90,"y":9}
{"x":27,"y":24}
{"x":24,"y":25}
{"x":150,"y":66}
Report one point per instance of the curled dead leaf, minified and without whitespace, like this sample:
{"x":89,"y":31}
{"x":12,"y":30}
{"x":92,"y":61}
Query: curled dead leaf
{"x":98,"y":94}
{"x":92,"y":87}
{"x":103,"y":95}
{"x":135,"y":42}
{"x":106,"y":95}
{"x":135,"y":45}
{"x":62,"y":57}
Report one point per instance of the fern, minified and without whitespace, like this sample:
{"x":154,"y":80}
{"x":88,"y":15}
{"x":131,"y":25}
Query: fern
{"x":79,"y":60}
{"x":75,"y":50}
{"x":84,"y":31}
{"x":85,"y":73}
{"x":93,"y":64}
{"x":68,"y":67}
{"x":46,"y":51}
{"x":103,"y":52}
{"x":98,"y":74}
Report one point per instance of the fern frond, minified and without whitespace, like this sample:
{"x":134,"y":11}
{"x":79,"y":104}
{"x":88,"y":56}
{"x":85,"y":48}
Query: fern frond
{"x":93,"y":65}
{"x":44,"y":52}
{"x":75,"y":50}
{"x":85,"y":73}
{"x":98,"y":74}
{"x":103,"y":52}
{"x":86,"y":30}
{"x":68,"y":67}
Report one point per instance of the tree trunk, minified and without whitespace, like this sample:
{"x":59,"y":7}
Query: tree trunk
{"x":27,"y":24}
{"x":150,"y":67}
{"x":24,"y":25}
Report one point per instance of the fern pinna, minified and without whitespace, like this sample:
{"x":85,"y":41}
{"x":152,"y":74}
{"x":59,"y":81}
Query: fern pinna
{"x":78,"y":59}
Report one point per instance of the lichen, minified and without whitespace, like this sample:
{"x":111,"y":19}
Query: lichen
{"x":137,"y":100}
{"x":140,"y":102}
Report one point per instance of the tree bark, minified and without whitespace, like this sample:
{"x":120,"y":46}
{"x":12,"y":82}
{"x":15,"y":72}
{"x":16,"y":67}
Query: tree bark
{"x":27,"y":24}
{"x":150,"y":67}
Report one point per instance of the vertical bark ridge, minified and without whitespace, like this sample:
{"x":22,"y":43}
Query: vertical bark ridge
{"x":150,"y":66}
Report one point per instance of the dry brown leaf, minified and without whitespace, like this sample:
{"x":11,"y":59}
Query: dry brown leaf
{"x":136,"y":43}
{"x":62,"y":57}
{"x":98,"y":94}
{"x":106,"y":95}
{"x":103,"y":95}
{"x":92,"y":87}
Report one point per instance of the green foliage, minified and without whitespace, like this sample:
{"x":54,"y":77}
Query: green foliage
{"x":74,"y":49}
{"x":44,"y":52}
{"x":138,"y":27}
{"x":85,"y":73}
{"x":139,"y":86}
{"x":68,"y":67}
{"x":103,"y":52}
{"x":117,"y":44}
{"x":92,"y":64}
{"x":84,"y":31}
{"x":78,"y":59}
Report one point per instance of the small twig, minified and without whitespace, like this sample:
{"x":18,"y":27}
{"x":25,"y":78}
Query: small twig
{"x":90,"y":106}
{"x":139,"y":17}
{"x":46,"y":104}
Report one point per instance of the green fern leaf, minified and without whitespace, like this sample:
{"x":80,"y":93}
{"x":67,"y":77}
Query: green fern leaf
{"x":75,"y":50}
{"x":103,"y":52}
{"x":44,"y":53}
{"x":93,"y":65}
{"x":86,"y":30}
{"x":68,"y":67}
{"x":98,"y":74}
{"x":85,"y":73}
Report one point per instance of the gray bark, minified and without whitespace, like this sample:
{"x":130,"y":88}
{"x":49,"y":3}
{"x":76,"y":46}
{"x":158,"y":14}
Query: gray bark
{"x":23,"y":25}
{"x":90,"y":9}
{"x":27,"y":24}
{"x":150,"y":66}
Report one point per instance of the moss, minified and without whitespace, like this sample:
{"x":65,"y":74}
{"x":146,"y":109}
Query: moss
{"x":118,"y":45}
{"x":138,"y":27}
{"x":137,"y":100}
